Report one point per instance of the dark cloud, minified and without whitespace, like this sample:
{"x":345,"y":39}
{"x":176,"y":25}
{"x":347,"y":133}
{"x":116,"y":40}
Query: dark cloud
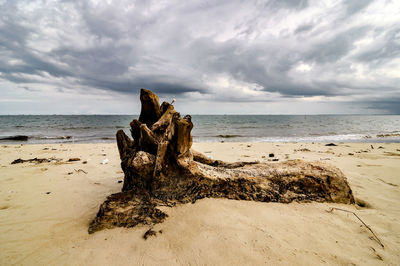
{"x":356,"y":6}
{"x":304,"y":28}
{"x":335,"y":47}
{"x":391,"y":106}
{"x":386,"y":48}
{"x":220,"y":50}
{"x":297,"y":4}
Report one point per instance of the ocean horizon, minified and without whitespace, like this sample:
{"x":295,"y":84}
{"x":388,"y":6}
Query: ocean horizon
{"x":37,"y":129}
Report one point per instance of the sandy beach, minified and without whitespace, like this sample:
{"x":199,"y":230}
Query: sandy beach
{"x":45,"y":209}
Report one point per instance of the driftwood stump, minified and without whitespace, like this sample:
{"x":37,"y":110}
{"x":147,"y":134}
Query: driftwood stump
{"x":161,"y":170}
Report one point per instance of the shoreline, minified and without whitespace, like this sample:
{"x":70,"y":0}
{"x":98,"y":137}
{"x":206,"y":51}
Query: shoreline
{"x":380,"y":140}
{"x":41,"y":228}
{"x":209,"y":128}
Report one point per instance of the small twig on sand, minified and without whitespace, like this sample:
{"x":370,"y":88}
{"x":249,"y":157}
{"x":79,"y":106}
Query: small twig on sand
{"x":80,"y":170}
{"x":369,"y":228}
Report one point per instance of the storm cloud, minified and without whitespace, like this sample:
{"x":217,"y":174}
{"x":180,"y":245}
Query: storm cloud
{"x":221,"y":56}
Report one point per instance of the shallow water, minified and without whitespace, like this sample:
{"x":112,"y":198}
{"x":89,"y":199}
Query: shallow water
{"x":209,"y":128}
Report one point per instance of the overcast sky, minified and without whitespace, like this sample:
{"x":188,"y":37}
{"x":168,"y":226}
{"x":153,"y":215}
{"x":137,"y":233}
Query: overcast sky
{"x":214,"y":57}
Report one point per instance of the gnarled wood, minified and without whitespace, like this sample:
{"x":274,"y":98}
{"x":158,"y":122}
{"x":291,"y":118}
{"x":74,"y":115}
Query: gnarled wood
{"x":150,"y":112}
{"x":161,"y":169}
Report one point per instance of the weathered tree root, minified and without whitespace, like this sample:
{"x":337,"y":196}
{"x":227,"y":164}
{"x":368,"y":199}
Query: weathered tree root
{"x":127,"y":209}
{"x":161,"y":169}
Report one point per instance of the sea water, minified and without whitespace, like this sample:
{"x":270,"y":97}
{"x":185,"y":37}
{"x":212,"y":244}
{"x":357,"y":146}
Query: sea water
{"x":209,"y":128}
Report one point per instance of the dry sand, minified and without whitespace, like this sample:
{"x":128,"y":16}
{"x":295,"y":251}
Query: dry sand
{"x":45,"y":210}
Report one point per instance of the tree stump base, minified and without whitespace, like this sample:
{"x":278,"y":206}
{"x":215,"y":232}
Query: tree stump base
{"x":161,"y":170}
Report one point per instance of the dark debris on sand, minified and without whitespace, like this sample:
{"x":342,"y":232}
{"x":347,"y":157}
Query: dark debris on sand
{"x":34,"y":160}
{"x":330,"y":144}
